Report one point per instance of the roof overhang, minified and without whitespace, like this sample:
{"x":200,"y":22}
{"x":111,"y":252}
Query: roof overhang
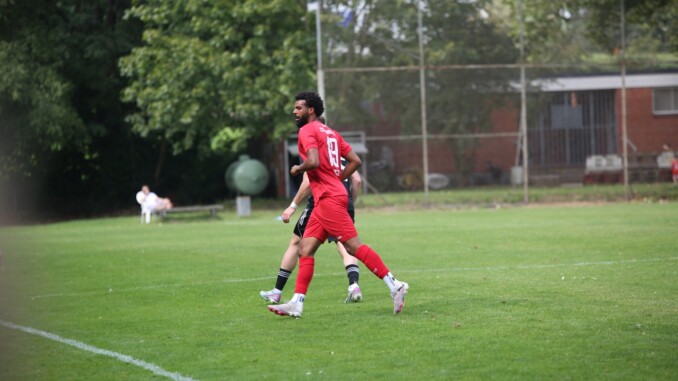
{"x":606,"y":82}
{"x":359,"y":148}
{"x":355,"y":138}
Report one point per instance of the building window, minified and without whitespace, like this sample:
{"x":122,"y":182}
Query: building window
{"x":570,"y":126}
{"x":665,"y":101}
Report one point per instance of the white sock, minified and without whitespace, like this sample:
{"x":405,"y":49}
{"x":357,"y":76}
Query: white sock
{"x":391,"y":282}
{"x":298,"y":298}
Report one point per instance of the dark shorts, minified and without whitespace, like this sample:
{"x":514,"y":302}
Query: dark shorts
{"x":300,"y":226}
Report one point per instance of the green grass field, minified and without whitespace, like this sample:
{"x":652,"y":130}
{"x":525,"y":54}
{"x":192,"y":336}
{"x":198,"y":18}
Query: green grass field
{"x":519,"y":293}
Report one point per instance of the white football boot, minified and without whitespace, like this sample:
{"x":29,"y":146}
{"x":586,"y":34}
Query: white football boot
{"x":270,"y":296}
{"x":354,"y":294}
{"x":399,"y":297}
{"x":293,"y":309}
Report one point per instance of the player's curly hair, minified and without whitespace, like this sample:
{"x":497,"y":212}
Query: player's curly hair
{"x":312,"y":100}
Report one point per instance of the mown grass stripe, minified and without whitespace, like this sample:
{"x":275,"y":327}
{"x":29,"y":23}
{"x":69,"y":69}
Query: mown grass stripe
{"x":405,"y":271}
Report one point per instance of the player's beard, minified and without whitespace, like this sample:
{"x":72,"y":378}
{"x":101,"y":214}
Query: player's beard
{"x":301,"y":122}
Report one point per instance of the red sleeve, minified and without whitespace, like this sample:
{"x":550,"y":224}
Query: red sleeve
{"x":307,"y":139}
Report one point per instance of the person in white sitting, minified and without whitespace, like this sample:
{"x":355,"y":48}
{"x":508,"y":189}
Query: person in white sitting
{"x":151,"y":202}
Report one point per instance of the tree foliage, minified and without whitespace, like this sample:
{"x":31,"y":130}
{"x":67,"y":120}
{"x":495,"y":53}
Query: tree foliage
{"x":212,"y":75}
{"x":62,"y":136}
{"x":35,"y":95}
{"x":385,"y":34}
{"x":574,"y":31}
{"x":650,"y":24}
{"x":97,"y":97}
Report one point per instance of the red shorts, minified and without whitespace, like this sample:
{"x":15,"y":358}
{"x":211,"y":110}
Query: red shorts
{"x":330,"y":217}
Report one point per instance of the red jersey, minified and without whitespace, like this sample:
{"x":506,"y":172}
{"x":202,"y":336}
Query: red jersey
{"x":325,"y":180}
{"x":674,"y":166}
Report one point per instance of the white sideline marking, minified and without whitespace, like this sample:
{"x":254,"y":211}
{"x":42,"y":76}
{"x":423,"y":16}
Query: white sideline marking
{"x":450,"y":269}
{"x":118,"y":356}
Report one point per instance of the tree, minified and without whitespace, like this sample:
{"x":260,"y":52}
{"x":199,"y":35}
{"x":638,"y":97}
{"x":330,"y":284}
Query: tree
{"x":580,"y":31}
{"x":38,"y":117}
{"x":385,"y":34}
{"x":62,"y":136}
{"x":215,"y":75}
{"x":650,"y":26}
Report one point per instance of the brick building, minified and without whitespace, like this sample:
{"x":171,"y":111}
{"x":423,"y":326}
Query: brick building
{"x":570,"y":119}
{"x":584,"y":118}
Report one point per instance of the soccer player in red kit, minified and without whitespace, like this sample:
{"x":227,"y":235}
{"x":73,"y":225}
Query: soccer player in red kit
{"x":321,"y":149}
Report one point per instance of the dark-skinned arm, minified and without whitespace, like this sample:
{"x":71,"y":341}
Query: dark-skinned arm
{"x":353,"y":162}
{"x":312,"y":161}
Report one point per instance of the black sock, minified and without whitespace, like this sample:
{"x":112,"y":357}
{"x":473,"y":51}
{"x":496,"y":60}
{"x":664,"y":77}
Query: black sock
{"x":353,"y":273}
{"x":283,"y":275}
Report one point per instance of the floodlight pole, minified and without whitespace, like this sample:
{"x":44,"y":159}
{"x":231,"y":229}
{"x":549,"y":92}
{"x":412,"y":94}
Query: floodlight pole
{"x":625,"y":150}
{"x":320,"y":73}
{"x":422,"y":89}
{"x":523,"y":106}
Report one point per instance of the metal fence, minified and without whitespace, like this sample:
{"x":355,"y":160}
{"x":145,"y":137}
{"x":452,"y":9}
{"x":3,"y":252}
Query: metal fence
{"x":445,"y":88}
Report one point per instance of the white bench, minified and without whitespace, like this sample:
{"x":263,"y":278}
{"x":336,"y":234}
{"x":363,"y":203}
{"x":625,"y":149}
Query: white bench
{"x":603,"y":163}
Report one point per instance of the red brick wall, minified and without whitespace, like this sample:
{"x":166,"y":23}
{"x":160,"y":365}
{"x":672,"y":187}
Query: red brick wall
{"x":500,"y":151}
{"x":646,"y":130}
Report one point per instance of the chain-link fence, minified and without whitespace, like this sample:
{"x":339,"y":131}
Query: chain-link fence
{"x":436,"y":87}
